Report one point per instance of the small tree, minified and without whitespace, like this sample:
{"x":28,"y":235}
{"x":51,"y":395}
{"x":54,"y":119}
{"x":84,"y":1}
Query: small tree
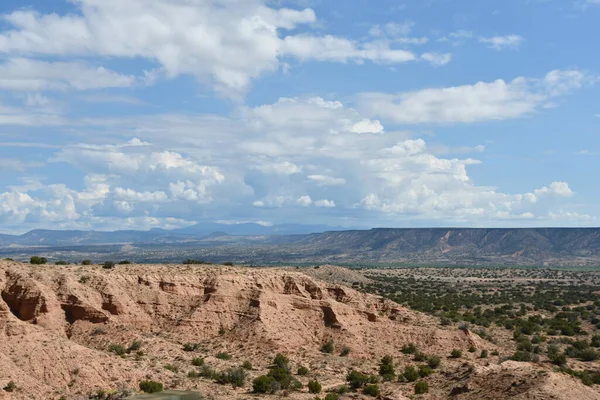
{"x":264,"y":384}
{"x":386,"y":368}
{"x":35,"y":260}
{"x":357,"y":379}
{"x":151,"y":387}
{"x":421,"y":387}
{"x":314,"y":387}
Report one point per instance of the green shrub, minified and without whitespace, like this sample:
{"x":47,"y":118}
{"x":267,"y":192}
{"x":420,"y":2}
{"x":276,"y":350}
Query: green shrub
{"x":472,"y":349}
{"x":86,"y":262}
{"x":247,"y":365}
{"x":222,"y":355}
{"x":197,"y":362}
{"x":372,"y":390}
{"x":35,"y":260}
{"x":410,"y":348}
{"x":302,"y":371}
{"x":434,"y":361}
{"x":386,"y":368}
{"x":108,"y":265}
{"x":190,"y":347}
{"x":327,"y":347}
{"x":117,"y":349}
{"x":345,"y":352}
{"x":221,"y":331}
{"x":410,"y":374}
{"x":521,"y":356}
{"x":134,"y":346}
{"x":357,"y":379}
{"x":314,"y":387}
{"x":421,"y":387}
{"x":425,"y":371}
{"x":193,"y":374}
{"x":484,"y":354}
{"x":61,"y":263}
{"x":332,"y":396}
{"x":456,"y":353}
{"x":265,"y":384}
{"x":151,"y":387}
{"x":10,"y":387}
{"x":281,"y":361}
{"x":172,"y":368}
{"x":419,"y":357}
{"x":234,"y":376}
{"x":125,"y":262}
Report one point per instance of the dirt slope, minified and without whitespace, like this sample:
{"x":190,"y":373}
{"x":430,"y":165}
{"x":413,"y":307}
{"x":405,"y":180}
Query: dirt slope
{"x":56,"y":324}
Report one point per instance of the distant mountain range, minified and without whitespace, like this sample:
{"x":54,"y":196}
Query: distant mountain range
{"x":201,"y":231}
{"x":280,"y":244}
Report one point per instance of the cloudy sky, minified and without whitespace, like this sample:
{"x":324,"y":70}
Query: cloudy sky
{"x":160,"y":113}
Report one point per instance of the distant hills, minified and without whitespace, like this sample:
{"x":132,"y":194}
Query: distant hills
{"x":201,"y":231}
{"x":288,"y":243}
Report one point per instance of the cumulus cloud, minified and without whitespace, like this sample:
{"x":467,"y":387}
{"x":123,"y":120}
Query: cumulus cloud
{"x":224,"y":44}
{"x":472,"y":103}
{"x":314,"y":161}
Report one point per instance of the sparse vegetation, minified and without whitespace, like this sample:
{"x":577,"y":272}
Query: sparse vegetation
{"x":151,"y":387}
{"x":86,"y":262}
{"x":386,"y":368}
{"x":222,"y":355}
{"x":314,"y":387}
{"x":118,"y":349}
{"x":421,"y":387}
{"x":455,"y":353}
{"x":372,"y":390}
{"x":35,"y":260}
{"x":10,"y":387}
{"x":328,"y":347}
{"x":108,"y":265}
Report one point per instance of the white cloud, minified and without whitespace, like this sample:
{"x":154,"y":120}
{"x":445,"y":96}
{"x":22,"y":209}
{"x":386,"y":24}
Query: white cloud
{"x":325,"y":203}
{"x":471,"y":103}
{"x":331,"y":48}
{"x":437,"y":58}
{"x":33,"y":75}
{"x":177,"y":167}
{"x":503,"y":42}
{"x":304,"y":201}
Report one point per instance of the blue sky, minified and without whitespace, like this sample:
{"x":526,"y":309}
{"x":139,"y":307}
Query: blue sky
{"x":156,"y":113}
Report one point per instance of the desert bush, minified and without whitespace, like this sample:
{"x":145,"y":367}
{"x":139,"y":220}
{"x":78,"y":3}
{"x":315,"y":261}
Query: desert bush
{"x":125,"y":262}
{"x":372,"y":390}
{"x":108,"y":265}
{"x":456,"y":353}
{"x":117,"y":349}
{"x":327,"y":347}
{"x":281,"y":361}
{"x":61,"y":263}
{"x":421,"y":387}
{"x":86,"y":262}
{"x":234,"y":376}
{"x":190,"y":347}
{"x":134,"y":346}
{"x":410,"y":348}
{"x":172,"y":368}
{"x":425,"y":371}
{"x":302,"y":371}
{"x":265,"y":384}
{"x":35,"y":260}
{"x":345,"y":352}
{"x":434,"y":361}
{"x":332,"y":396}
{"x":193,"y":374}
{"x":223,"y":355}
{"x":357,"y":379}
{"x":386,"y":368}
{"x":197,"y":361}
{"x":10,"y":387}
{"x":314,"y":387}
{"x":410,"y":374}
{"x":247,"y":365}
{"x":484,"y":354}
{"x":151,"y":387}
